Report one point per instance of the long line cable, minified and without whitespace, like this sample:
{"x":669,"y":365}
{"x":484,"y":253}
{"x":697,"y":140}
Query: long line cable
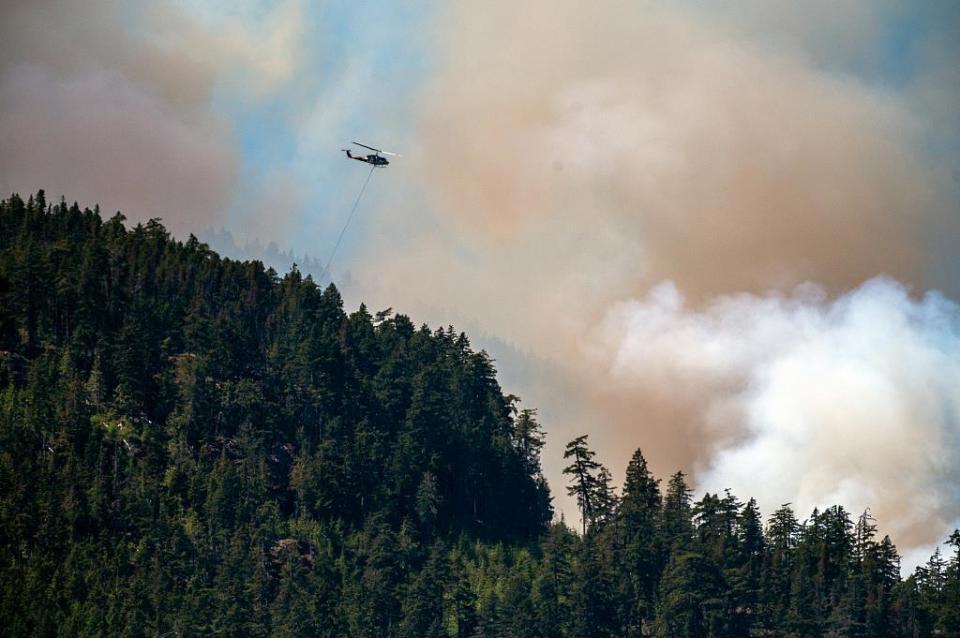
{"x":343,"y":231}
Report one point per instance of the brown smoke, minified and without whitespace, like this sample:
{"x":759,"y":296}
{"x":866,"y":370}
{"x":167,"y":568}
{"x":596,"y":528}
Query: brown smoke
{"x":111,"y":102}
{"x":729,"y":167}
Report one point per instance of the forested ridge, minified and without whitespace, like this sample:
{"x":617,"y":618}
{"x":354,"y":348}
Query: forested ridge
{"x":192,"y":445}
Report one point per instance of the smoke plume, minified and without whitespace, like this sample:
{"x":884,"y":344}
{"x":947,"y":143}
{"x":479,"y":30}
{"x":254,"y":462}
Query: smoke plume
{"x":801,"y":398}
{"x":729,"y":165}
{"x":576,"y":156}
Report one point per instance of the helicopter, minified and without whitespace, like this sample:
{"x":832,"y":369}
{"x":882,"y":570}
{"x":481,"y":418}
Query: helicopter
{"x":376,"y":158}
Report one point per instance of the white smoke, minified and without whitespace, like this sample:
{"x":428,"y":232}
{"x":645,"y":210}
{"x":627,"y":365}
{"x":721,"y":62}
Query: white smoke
{"x":852,"y":401}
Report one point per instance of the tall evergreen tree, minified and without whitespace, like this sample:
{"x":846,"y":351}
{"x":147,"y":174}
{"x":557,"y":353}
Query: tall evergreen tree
{"x":950,"y":612}
{"x":677,"y":517}
{"x":583,"y":478}
{"x":640,"y":544}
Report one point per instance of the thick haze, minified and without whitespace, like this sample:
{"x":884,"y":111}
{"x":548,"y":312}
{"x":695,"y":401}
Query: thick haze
{"x":708,"y":229}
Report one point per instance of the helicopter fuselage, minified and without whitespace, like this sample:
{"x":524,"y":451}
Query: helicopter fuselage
{"x":373,"y":158}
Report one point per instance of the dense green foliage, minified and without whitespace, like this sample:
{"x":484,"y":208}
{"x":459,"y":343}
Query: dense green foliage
{"x":191,"y":445}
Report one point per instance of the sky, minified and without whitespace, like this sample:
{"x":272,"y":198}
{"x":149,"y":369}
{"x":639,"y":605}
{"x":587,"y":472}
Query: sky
{"x":726,"y":231}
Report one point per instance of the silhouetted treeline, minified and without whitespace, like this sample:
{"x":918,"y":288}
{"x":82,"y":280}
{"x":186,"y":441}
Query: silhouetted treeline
{"x":223,"y":242}
{"x":191,"y":445}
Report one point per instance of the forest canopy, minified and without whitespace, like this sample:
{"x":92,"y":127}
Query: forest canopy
{"x":193,"y":445}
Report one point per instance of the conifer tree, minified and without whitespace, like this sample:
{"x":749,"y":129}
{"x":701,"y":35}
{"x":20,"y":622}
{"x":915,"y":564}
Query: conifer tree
{"x":950,"y":612}
{"x":583,"y":478}
{"x":677,"y":521}
{"x":641,"y":552}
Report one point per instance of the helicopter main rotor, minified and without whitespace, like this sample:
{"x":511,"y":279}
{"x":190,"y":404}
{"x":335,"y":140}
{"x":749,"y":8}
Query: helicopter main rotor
{"x":377,"y":150}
